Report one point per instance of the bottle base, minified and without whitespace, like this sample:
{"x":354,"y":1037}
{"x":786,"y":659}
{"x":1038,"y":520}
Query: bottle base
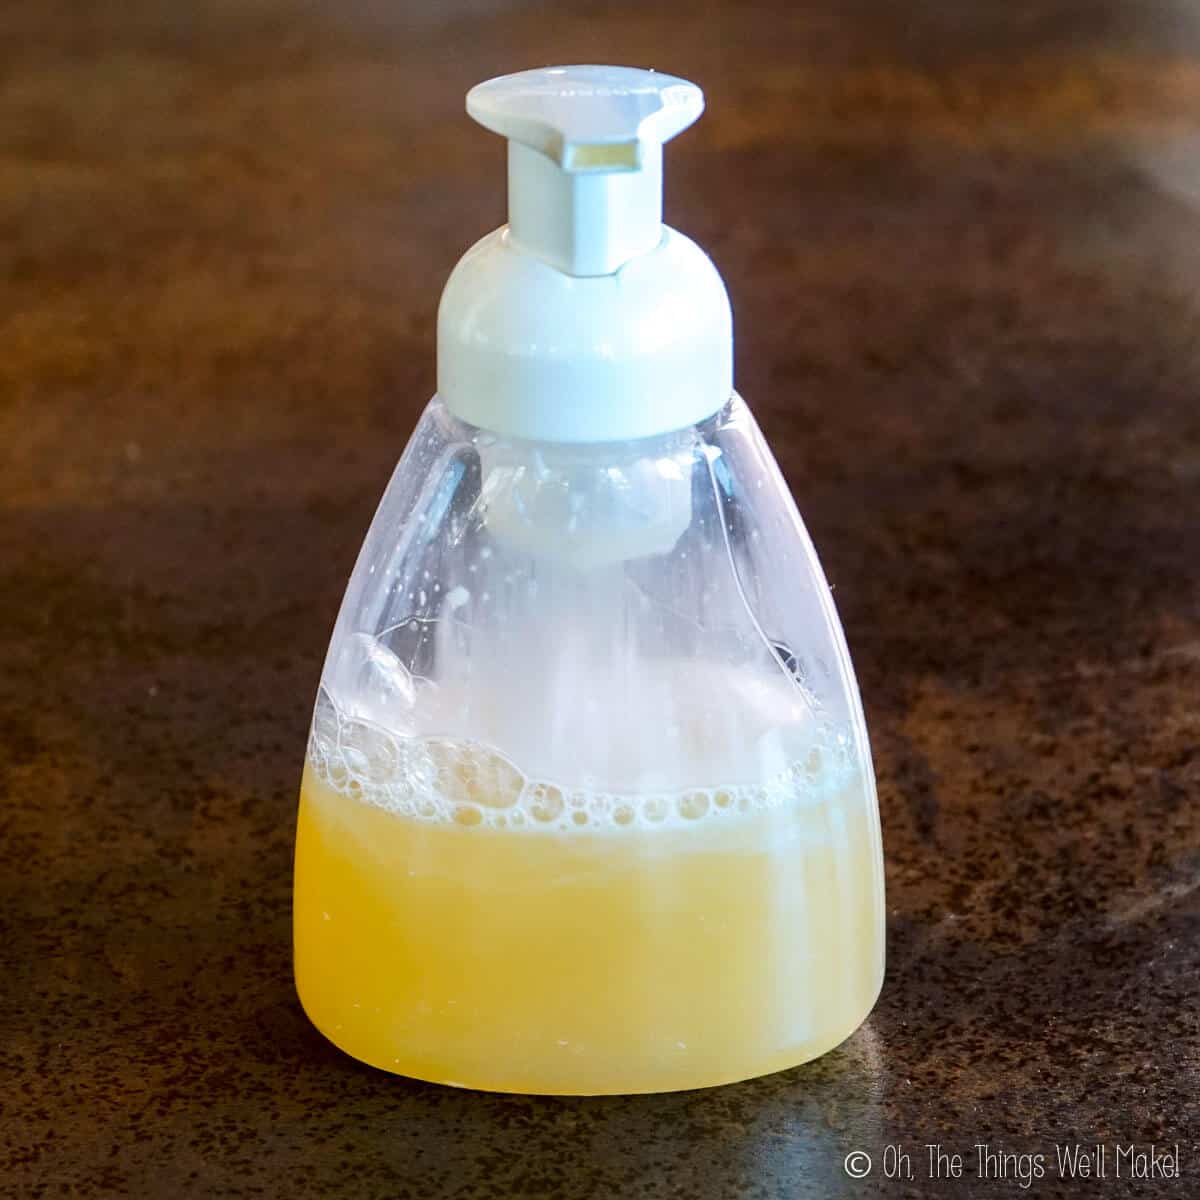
{"x":590,"y":1079}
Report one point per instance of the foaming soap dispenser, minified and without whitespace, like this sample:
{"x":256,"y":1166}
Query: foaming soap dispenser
{"x":588,"y":804}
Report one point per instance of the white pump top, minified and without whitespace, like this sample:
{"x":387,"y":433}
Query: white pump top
{"x":585,"y":159}
{"x":585,"y":319}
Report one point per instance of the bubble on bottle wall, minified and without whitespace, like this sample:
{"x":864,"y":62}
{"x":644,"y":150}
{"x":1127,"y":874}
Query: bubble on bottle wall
{"x":545,"y":802}
{"x":371,"y":754}
{"x":466,"y":772}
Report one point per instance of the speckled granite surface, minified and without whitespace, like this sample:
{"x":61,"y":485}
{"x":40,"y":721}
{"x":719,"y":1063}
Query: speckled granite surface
{"x":963,"y":243}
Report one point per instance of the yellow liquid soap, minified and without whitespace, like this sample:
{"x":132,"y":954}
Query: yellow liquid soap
{"x":457,"y":923}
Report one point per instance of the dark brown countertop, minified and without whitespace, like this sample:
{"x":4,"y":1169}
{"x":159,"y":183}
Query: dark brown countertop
{"x":963,"y":244}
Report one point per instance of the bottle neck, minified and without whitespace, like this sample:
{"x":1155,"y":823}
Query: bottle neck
{"x":586,"y":222}
{"x":529,"y":351}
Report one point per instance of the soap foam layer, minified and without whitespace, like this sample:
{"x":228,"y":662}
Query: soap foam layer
{"x":449,"y":780}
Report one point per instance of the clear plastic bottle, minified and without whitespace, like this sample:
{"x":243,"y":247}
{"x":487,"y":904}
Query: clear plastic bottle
{"x":588,"y":804}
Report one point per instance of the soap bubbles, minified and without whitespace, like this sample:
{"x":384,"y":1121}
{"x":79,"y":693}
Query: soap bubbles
{"x":467,"y":784}
{"x":464,"y":773}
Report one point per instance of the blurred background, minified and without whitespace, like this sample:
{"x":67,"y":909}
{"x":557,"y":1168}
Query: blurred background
{"x":963,"y":247}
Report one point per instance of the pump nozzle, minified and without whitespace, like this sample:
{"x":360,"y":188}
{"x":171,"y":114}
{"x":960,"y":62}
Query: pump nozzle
{"x":585,"y":158}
